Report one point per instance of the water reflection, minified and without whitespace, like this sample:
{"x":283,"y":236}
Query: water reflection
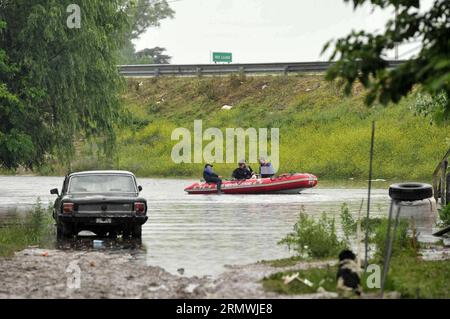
{"x":199,"y":233}
{"x":90,"y":242}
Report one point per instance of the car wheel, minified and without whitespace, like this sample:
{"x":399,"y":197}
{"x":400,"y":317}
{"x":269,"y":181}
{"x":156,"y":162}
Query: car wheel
{"x":137,"y":231}
{"x":64,"y":230}
{"x":410,"y":191}
{"x":100,"y":233}
{"x":126,"y":232}
{"x":59,"y":231}
{"x":112,"y":234}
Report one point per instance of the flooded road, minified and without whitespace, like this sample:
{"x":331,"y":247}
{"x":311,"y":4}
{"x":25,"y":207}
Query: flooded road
{"x":203,"y":233}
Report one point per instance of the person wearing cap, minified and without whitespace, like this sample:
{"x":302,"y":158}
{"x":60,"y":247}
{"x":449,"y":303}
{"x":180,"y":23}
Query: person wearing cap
{"x":210,"y":177}
{"x":265,"y":168}
{"x":243,"y":171}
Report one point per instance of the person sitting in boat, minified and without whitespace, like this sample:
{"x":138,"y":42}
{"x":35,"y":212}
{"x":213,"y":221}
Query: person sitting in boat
{"x":265,"y":168}
{"x":243,"y":171}
{"x":210,"y":177}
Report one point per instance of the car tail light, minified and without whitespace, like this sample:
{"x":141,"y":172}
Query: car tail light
{"x":139,"y":207}
{"x":68,"y":208}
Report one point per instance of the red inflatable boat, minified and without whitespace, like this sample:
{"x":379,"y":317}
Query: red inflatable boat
{"x":283,"y":184}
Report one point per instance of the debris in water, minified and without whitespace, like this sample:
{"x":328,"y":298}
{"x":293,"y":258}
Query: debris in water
{"x":97,"y":243}
{"x":435,"y":253}
{"x":321,"y":290}
{"x":44,"y":254}
{"x":446,"y":242}
{"x":190,"y":288}
{"x":288,"y":279}
{"x":180,"y":271}
{"x":156,"y":288}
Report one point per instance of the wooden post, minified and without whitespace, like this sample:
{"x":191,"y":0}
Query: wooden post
{"x":444,"y":183}
{"x":368,"y":197}
{"x":441,"y":169}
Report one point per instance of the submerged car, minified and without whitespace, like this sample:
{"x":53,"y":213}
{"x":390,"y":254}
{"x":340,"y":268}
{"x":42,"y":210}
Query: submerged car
{"x":104,"y":202}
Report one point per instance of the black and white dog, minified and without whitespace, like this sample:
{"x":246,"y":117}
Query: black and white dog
{"x":348,"y":275}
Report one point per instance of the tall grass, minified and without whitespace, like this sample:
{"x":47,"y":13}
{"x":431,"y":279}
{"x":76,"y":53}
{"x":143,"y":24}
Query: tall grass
{"x":314,"y":238}
{"x":321,"y":131}
{"x":36,"y":228}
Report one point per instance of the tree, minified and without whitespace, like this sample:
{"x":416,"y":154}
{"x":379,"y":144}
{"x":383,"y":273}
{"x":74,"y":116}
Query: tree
{"x":154,"y":55}
{"x":360,"y":55}
{"x":16,"y":144}
{"x":57,"y":83}
{"x":146,"y":13}
{"x":142,"y":14}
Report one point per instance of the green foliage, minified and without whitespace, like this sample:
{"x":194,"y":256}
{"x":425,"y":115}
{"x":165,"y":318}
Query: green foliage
{"x":348,"y":223}
{"x":316,"y":239}
{"x":36,"y":228}
{"x":401,"y":243}
{"x":416,"y":278}
{"x":433,"y":106}
{"x":360,"y":55}
{"x":320,"y":277}
{"x":318,"y":129}
{"x":154,"y":55}
{"x":60,"y":83}
{"x":444,"y":216}
{"x":143,"y":14}
{"x":411,"y":277}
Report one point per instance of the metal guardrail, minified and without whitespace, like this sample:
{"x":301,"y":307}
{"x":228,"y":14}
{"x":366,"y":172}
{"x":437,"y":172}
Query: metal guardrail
{"x":144,"y":70}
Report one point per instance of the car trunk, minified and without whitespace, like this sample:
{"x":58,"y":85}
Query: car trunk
{"x":104,"y":207}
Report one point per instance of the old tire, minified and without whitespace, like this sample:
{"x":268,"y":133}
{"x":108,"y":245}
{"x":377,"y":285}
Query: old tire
{"x":410,"y":191}
{"x":136,"y":231}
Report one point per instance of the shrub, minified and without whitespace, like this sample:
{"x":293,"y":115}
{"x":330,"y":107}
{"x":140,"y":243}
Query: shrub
{"x":347,"y":222}
{"x":35,"y":228}
{"x":316,"y":239}
{"x":444,"y":215}
{"x":401,"y":240}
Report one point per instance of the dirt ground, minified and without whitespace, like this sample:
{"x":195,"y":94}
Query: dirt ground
{"x":39,"y":273}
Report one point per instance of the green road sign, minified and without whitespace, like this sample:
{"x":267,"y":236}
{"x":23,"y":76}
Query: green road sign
{"x":222,"y":57}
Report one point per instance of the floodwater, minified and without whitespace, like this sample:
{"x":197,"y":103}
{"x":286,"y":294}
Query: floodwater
{"x":202,"y":233}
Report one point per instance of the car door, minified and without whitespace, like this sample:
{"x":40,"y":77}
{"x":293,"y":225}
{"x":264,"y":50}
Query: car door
{"x":57,"y":204}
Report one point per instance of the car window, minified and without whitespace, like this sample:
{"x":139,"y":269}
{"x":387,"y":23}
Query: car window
{"x":102,"y":184}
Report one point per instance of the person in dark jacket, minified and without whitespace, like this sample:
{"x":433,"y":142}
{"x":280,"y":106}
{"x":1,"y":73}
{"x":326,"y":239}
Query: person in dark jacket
{"x":210,"y":177}
{"x":243,"y":171}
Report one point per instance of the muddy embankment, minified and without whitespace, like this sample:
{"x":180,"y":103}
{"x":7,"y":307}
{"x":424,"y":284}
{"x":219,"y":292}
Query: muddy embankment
{"x":38,"y":273}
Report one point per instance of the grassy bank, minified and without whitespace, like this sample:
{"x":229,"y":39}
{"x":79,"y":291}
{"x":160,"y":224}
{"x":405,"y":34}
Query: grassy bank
{"x":321,"y":131}
{"x":316,"y":239}
{"x":411,"y":277}
{"x":36,"y":228}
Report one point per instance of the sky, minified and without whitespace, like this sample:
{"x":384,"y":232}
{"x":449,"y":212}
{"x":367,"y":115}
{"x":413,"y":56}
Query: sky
{"x":261,"y":30}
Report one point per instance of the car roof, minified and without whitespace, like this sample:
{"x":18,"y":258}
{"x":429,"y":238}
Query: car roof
{"x":102,"y":172}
